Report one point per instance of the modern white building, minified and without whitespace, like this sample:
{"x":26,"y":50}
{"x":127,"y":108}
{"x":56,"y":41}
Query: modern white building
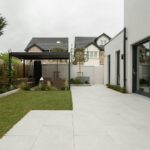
{"x":127,"y":55}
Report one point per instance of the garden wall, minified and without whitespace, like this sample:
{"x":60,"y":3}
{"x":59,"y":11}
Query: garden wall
{"x":95,"y":73}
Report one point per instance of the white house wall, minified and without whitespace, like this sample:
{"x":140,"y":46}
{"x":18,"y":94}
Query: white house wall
{"x":137,"y":22}
{"x":110,"y":49}
{"x":92,"y":61}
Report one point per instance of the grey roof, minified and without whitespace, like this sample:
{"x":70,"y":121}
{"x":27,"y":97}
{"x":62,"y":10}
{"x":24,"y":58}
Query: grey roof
{"x":103,"y":35}
{"x":82,"y":42}
{"x":46,"y":44}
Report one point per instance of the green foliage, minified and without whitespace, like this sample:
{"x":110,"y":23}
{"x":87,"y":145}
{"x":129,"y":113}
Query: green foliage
{"x":5,"y":58}
{"x":86,"y":82}
{"x":44,"y":87}
{"x":76,"y":81}
{"x":58,"y":50}
{"x":6,"y":88}
{"x":65,"y":88}
{"x":3,"y":24}
{"x":117,"y":88}
{"x":3,"y":89}
{"x":25,"y":86}
{"x":79,"y":55}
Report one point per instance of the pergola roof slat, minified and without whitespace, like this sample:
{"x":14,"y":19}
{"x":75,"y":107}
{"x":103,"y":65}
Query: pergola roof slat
{"x":40,"y":55}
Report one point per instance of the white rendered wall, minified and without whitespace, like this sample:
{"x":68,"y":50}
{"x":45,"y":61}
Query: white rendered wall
{"x":110,"y":49}
{"x":96,"y":74}
{"x":92,"y":61}
{"x":137,"y":22}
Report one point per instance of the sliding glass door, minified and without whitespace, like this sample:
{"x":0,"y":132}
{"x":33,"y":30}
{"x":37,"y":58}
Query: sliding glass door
{"x":141,"y":69}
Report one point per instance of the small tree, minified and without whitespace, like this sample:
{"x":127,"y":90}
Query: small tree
{"x":79,"y":58}
{"x":3,"y":23}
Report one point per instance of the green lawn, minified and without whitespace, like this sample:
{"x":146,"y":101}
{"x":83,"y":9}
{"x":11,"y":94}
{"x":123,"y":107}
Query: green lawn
{"x":15,"y":106}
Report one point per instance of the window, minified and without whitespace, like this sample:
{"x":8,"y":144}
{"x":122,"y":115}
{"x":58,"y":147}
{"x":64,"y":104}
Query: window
{"x":93,"y":54}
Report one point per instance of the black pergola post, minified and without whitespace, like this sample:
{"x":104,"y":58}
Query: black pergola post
{"x":10,"y":68}
{"x":69,"y":73}
{"x":24,"y":68}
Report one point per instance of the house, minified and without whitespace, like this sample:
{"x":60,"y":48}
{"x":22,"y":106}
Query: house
{"x":127,"y":55}
{"x":93,"y":47}
{"x":47,"y":45}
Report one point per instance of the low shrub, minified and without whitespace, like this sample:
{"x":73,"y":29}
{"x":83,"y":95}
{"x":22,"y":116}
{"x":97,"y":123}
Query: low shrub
{"x":3,"y":89}
{"x":86,"y":82}
{"x":65,"y":88}
{"x":76,"y":81}
{"x":6,"y":88}
{"x":25,"y":86}
{"x":117,"y":88}
{"x":44,"y":87}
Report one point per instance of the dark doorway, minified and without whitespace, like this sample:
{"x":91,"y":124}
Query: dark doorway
{"x":37,"y":71}
{"x":109,"y":69}
{"x":118,"y":67}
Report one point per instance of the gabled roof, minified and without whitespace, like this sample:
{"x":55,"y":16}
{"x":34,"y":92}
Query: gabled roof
{"x":102,"y":36}
{"x":47,"y":44}
{"x":99,"y":47}
{"x":82,"y":42}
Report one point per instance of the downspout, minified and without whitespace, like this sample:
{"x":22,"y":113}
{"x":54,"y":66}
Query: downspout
{"x":124,"y":51}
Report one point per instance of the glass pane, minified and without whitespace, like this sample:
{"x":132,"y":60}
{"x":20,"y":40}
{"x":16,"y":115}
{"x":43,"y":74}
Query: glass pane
{"x":143,"y":66}
{"x":95,"y":54}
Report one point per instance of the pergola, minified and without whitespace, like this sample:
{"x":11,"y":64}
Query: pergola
{"x":38,"y":56}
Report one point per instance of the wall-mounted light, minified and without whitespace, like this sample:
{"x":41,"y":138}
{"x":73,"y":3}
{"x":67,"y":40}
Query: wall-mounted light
{"x":122,"y":56}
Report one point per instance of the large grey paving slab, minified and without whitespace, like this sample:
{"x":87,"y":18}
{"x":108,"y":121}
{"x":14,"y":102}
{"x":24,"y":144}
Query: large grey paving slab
{"x":41,"y":130}
{"x":106,"y":119}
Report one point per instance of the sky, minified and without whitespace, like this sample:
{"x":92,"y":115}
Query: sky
{"x":58,"y":18}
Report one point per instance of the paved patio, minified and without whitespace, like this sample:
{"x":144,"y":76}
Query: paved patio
{"x":102,"y":120}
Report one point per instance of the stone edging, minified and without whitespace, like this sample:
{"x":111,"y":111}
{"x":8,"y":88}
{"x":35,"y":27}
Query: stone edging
{"x":80,"y":84}
{"x":9,"y":93}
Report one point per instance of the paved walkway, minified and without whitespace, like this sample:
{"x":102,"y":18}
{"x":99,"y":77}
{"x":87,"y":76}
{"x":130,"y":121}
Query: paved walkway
{"x":102,"y":120}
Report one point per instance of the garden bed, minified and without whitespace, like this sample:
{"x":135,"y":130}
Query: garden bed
{"x":4,"y":88}
{"x":117,"y":88}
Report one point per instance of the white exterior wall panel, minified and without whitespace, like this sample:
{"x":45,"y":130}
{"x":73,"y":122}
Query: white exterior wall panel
{"x":110,"y":49}
{"x":137,"y":22}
